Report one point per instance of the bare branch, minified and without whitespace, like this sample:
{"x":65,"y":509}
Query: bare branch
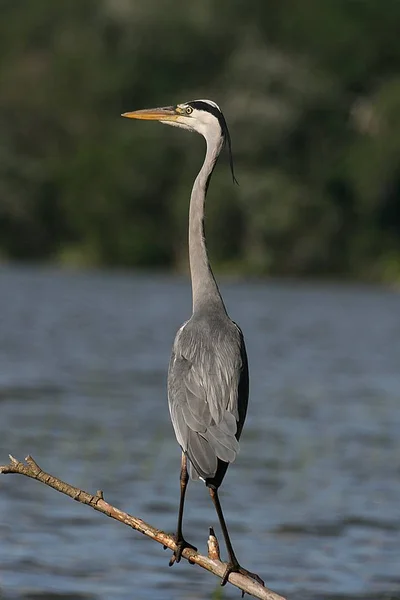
{"x":213,"y":546}
{"x":211,"y":562}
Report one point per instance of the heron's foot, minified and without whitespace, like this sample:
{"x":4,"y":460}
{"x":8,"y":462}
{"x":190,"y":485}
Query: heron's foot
{"x":181,"y":544}
{"x":234,"y":567}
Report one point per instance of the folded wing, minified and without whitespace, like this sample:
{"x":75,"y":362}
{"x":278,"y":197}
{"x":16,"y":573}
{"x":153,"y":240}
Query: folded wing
{"x":203,"y":388}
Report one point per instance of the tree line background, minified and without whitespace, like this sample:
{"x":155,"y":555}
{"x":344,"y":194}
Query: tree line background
{"x":310,"y":90}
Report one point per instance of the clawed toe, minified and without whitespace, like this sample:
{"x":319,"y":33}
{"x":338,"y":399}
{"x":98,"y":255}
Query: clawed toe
{"x":180,"y":546}
{"x":236,"y":568}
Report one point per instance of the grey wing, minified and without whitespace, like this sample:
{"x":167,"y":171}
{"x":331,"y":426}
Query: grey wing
{"x":203,"y":395}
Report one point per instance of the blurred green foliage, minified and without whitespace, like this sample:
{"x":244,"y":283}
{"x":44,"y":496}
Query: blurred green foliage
{"x":311,"y":91}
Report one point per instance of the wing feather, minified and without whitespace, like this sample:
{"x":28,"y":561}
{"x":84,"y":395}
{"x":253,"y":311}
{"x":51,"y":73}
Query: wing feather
{"x":203,"y":388}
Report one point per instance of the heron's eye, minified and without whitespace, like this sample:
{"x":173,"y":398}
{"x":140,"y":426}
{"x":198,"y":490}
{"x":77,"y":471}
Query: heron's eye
{"x":189,"y":110}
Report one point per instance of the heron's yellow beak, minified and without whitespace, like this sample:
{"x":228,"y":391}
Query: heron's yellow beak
{"x":153,"y":114}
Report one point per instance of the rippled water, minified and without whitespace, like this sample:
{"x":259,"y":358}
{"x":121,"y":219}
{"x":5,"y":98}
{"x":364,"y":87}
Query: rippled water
{"x":313,"y":501}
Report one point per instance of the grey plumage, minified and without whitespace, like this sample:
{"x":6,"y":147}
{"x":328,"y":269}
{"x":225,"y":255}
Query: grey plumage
{"x":207,"y":366}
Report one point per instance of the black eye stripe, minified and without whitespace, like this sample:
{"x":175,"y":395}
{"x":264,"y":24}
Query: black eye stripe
{"x":199,"y":105}
{"x":213,"y":110}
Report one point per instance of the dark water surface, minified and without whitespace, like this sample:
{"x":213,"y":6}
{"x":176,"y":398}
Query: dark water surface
{"x":313,"y":501}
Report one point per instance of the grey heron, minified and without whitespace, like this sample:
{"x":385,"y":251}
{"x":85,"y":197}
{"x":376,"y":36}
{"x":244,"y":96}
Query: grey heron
{"x":208,"y":380}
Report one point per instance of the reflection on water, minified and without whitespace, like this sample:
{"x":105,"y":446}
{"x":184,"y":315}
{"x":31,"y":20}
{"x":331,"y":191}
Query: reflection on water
{"x":313,"y":501}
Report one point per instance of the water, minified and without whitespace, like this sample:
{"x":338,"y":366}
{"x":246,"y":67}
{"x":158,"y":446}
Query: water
{"x":313,"y":500}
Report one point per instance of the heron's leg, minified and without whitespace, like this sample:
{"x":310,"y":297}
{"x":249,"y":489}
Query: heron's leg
{"x":180,"y":540}
{"x":184,"y":479}
{"x":233,"y":565}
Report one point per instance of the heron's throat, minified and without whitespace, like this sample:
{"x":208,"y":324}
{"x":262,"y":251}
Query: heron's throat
{"x":204,"y":286}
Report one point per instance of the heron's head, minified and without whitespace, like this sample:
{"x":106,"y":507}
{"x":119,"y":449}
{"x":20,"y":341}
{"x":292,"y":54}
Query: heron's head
{"x":203,"y":116}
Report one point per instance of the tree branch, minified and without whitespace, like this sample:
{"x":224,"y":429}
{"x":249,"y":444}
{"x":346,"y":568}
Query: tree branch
{"x":211,"y":562}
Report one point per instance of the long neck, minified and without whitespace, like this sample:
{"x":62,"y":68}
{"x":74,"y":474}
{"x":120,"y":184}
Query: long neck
{"x":204,"y":287}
